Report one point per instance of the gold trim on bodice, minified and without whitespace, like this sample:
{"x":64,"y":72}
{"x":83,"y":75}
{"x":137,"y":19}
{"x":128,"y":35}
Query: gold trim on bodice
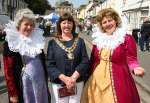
{"x":102,"y":72}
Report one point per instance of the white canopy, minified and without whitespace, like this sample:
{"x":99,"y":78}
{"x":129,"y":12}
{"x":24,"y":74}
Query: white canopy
{"x":51,"y":16}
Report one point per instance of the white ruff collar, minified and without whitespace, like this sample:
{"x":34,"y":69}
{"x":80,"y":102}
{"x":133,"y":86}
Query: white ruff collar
{"x":29,"y":46}
{"x":102,"y":40}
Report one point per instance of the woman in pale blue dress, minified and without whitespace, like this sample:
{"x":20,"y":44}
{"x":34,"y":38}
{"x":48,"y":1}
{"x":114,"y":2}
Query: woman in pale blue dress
{"x":23,"y":37}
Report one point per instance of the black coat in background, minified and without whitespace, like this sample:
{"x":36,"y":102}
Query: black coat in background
{"x":145,"y":28}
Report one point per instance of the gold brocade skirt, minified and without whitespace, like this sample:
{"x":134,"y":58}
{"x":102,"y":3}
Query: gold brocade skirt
{"x":99,"y":88}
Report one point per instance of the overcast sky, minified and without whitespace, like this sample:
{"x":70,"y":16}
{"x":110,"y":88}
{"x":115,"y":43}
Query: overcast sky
{"x":76,"y":3}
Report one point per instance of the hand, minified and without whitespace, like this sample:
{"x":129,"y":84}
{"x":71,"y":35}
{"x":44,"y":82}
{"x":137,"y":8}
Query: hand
{"x":14,"y":99}
{"x":75,"y":76}
{"x":139,"y":71}
{"x":69,"y":82}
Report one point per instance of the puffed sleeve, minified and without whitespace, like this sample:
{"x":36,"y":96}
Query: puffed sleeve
{"x":94,"y":59}
{"x":131,"y":52}
{"x":9,"y":74}
{"x":53,"y":71}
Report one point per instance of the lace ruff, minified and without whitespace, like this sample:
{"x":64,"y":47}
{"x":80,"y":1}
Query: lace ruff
{"x":29,"y":46}
{"x":102,"y":40}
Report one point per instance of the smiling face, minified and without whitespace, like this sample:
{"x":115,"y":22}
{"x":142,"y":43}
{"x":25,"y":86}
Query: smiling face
{"x":108,"y":25}
{"x":108,"y":20}
{"x":26,"y":27}
{"x":66,"y":27}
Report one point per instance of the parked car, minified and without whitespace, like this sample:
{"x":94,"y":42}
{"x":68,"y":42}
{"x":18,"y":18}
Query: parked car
{"x":4,"y":19}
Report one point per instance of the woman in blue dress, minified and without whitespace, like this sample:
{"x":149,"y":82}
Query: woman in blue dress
{"x":27,"y":40}
{"x":67,"y":62}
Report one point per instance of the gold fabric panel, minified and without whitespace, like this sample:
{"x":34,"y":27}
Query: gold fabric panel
{"x":98,"y":88}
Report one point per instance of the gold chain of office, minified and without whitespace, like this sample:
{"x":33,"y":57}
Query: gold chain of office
{"x":68,"y":50}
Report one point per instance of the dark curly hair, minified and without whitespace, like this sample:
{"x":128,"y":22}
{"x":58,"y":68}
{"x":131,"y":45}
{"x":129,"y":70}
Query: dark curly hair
{"x":66,"y":16}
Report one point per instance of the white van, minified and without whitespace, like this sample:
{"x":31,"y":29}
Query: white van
{"x":4,"y":19}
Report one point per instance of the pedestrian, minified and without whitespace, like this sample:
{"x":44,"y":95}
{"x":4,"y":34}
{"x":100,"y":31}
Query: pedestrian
{"x":145,"y":35}
{"x":135,"y":34}
{"x":2,"y":33}
{"x":67,"y":62}
{"x":47,"y":28}
{"x":113,"y":59}
{"x":24,"y":60}
{"x":89,"y":26}
{"x":2,"y":38}
{"x":41,"y":23}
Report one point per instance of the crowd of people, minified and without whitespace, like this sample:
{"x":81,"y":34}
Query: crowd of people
{"x":105,"y":77}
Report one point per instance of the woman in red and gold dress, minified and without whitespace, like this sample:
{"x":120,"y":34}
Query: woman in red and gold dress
{"x":113,"y":59}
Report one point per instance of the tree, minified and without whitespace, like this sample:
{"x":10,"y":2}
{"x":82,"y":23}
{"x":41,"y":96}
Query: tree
{"x":38,"y":6}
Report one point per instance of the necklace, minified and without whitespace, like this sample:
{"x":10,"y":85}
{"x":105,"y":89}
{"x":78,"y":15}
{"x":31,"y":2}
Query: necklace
{"x":68,"y":50}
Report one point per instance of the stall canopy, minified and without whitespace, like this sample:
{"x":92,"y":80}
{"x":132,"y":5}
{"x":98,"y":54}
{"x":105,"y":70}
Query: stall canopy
{"x":53,"y":17}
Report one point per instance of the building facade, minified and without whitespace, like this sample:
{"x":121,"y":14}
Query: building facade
{"x":136,"y":11}
{"x":9,"y":7}
{"x":81,"y":12}
{"x":65,"y":6}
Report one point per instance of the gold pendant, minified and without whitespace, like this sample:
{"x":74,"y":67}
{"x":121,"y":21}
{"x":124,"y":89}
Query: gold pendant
{"x":70,"y":56}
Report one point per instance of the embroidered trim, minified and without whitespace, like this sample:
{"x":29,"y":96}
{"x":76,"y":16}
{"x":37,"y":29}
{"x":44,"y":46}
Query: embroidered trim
{"x":29,"y":46}
{"x":112,"y":83}
{"x":68,"y":50}
{"x":102,"y":40}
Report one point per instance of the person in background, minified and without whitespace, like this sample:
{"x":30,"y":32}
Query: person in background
{"x":2,"y":33}
{"x":113,"y":60}
{"x":94,"y":24}
{"x":24,"y":60}
{"x":145,"y":35}
{"x":47,"y":28}
{"x":89,"y":26}
{"x":2,"y":38}
{"x":41,"y":23}
{"x":67,"y":62}
{"x":135,"y":34}
{"x":77,"y":27}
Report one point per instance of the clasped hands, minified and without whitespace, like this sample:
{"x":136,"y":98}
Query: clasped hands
{"x":70,"y":82}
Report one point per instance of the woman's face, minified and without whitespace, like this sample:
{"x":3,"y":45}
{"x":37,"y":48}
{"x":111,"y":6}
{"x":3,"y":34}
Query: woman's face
{"x":108,"y":25}
{"x":66,"y":26}
{"x":26,"y":27}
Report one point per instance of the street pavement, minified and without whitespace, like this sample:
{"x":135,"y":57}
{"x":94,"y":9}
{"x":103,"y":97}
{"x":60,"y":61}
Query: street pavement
{"x":143,"y":83}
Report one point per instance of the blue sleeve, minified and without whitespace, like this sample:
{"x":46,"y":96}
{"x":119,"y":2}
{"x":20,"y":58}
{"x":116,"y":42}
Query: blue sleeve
{"x":83,"y":67}
{"x":53,"y":71}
